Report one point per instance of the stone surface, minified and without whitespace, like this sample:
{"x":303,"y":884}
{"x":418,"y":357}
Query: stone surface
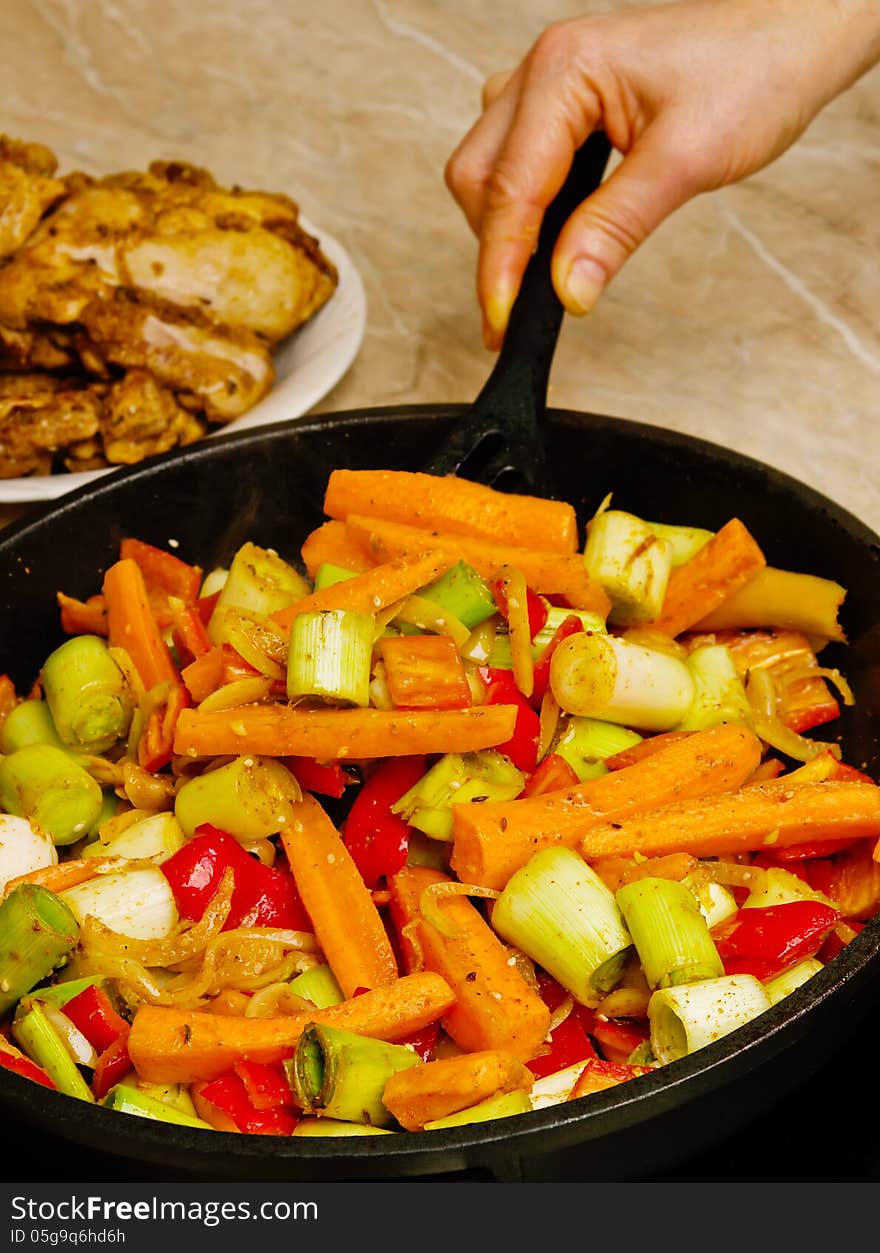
{"x":752,"y":318}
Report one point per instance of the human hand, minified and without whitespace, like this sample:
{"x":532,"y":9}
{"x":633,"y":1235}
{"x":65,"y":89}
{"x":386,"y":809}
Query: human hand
{"x":695,"y":95}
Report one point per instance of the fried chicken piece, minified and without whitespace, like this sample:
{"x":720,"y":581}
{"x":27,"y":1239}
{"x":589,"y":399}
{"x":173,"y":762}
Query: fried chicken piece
{"x":141,"y":418}
{"x":27,"y":190}
{"x":39,"y":415}
{"x":221,"y":370}
{"x":44,"y":349}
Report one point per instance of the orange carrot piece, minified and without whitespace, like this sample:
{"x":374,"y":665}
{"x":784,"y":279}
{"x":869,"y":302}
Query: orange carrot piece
{"x":204,"y":675}
{"x":769,"y":769}
{"x":553,"y":574}
{"x":494,"y":1008}
{"x":347,"y":924}
{"x":455,"y":505}
{"x":423,"y":1093}
{"x":758,"y":817}
{"x":333,"y":543}
{"x":425,"y":672}
{"x":82,"y":617}
{"x":597,"y":1075}
{"x":645,"y":748}
{"x":132,"y":626}
{"x":720,"y":568}
{"x":493,"y":839}
{"x":372,"y":590}
{"x":184,"y":1046}
{"x":67,"y":874}
{"x":328,"y":734}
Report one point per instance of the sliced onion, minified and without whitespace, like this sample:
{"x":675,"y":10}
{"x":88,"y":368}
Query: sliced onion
{"x":429,"y":903}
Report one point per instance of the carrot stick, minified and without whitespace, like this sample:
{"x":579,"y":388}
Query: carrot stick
{"x":854,"y":882}
{"x":338,"y":902}
{"x":781,"y":598}
{"x":423,"y":1093}
{"x":327,"y":734}
{"x":455,"y":505}
{"x":184,"y":1046}
{"x":67,"y":874}
{"x":82,"y":617}
{"x":132,"y":626}
{"x":333,"y":543}
{"x":371,"y":590}
{"x":492,"y":840}
{"x":554,"y":574}
{"x":494,"y":1007}
{"x":760,"y":816}
{"x":720,"y":568}
{"x":205,"y":674}
{"x":645,"y":748}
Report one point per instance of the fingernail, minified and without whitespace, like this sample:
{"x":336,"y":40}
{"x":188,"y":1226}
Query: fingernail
{"x":583,"y":285}
{"x":497,"y":311}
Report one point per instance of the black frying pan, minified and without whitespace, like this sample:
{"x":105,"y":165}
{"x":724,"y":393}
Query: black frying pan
{"x":267,"y":486}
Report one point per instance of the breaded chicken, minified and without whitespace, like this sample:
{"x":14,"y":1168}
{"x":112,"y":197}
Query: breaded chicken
{"x":27,"y":190}
{"x":39,"y":415}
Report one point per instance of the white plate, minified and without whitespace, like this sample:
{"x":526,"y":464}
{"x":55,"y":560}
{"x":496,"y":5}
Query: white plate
{"x":307,"y":365}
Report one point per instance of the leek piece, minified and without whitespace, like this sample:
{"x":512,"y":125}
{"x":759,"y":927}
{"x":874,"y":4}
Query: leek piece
{"x":136,"y":903}
{"x":715,"y":902}
{"x":335,"y":1127}
{"x":319,"y":986}
{"x":424,"y":850}
{"x":327,"y":575}
{"x":343,"y":1075}
{"x":330,"y":656}
{"x":213,"y":581}
{"x":555,"y":618}
{"x":671,"y":936}
{"x":689,"y":1017}
{"x":789,"y":980}
{"x":642,"y":1055}
{"x":128,"y":1100}
{"x":586,"y":742}
{"x":259,"y":582}
{"x":790,"y":600}
{"x":176,"y":1095}
{"x":555,"y":1088}
{"x":28,"y":722}
{"x":501,"y":1106}
{"x":778,"y":887}
{"x":631,"y":562}
{"x":88,"y":696}
{"x":58,"y":994}
{"x":417,"y":614}
{"x":45,"y":785}
{"x":35,"y":1035}
{"x":23,"y":848}
{"x":248,"y":797}
{"x":685,"y":541}
{"x":457,"y":778}
{"x":500,"y":656}
{"x":157,"y":837}
{"x":37,"y":933}
{"x":719,"y":692}
{"x":557,"y":911}
{"x":601,"y":676}
{"x":464,"y":593}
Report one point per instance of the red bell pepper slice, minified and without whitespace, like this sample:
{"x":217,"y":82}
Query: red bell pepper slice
{"x":326,"y":778}
{"x":569,"y":1043}
{"x":264,"y":896}
{"x":266,"y":1086}
{"x":423,"y":1041}
{"x":189,"y":636}
{"x":229,"y":1095}
{"x":617,"y":1039}
{"x":537,"y":608}
{"x":91,"y":1012}
{"x":21,"y":1065}
{"x":206,"y":606}
{"x":850,"y":774}
{"x":377,"y":839}
{"x":112,"y":1065}
{"x":553,"y":774}
{"x":156,"y":745}
{"x":571,"y":625}
{"x":164,"y":574}
{"x":838,"y":939}
{"x":765,"y":941}
{"x":522,"y":747}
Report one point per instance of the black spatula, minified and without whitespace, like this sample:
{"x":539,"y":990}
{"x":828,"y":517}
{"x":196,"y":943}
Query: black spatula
{"x":498,"y":441}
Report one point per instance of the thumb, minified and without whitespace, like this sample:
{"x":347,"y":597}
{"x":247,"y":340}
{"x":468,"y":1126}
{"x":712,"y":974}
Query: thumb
{"x":605,"y":230}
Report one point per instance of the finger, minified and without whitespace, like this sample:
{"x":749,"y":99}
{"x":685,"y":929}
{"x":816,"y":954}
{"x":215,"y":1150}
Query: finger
{"x":469,"y":169}
{"x":618,"y":217}
{"x":494,"y":85}
{"x":529,"y":170}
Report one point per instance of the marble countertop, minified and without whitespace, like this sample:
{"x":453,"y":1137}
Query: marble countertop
{"x":752,"y":318}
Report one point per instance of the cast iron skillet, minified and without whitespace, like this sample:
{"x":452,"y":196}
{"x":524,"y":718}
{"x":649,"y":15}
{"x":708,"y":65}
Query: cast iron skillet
{"x":267,"y":486}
